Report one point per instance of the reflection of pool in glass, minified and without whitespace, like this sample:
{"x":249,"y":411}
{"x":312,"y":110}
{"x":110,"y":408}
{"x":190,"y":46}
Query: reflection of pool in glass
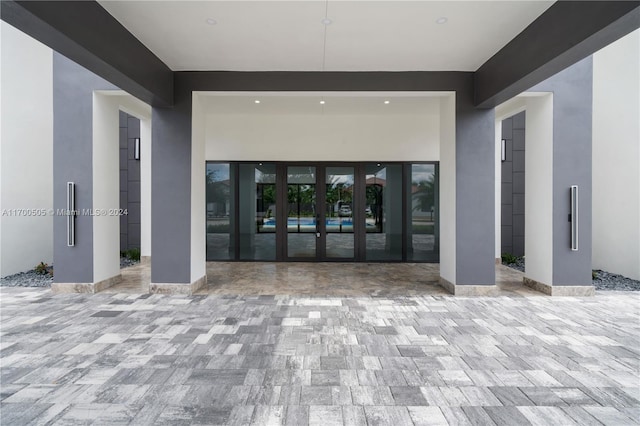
{"x":308,"y":224}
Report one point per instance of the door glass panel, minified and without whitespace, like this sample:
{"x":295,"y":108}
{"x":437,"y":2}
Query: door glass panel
{"x":383,"y":218}
{"x":422,"y":214}
{"x":220,"y":211}
{"x":256,"y":213}
{"x":301,"y":218}
{"x":339,"y":212}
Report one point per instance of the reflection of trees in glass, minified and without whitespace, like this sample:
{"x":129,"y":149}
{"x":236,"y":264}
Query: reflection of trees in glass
{"x":269,"y":193}
{"x":301,"y":199}
{"x":266,"y":197}
{"x":266,"y":191}
{"x":217,"y":190}
{"x":338,"y":192}
{"x":374,"y":201}
{"x":424,"y":194}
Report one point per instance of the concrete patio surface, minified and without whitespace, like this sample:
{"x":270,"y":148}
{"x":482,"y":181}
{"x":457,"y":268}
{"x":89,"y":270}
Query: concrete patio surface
{"x":376,"y":357}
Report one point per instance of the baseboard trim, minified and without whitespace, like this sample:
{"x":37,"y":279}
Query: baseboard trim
{"x":560,"y":290}
{"x":178,"y":288}
{"x":60,"y":288}
{"x":468,"y":290}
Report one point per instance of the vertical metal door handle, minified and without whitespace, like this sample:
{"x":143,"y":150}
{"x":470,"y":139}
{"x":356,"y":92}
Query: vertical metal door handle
{"x":71,"y":214}
{"x":574,"y":217}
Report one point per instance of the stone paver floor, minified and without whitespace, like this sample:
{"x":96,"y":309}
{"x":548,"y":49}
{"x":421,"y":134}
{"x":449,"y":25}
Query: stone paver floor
{"x":321,"y":279}
{"x":426,"y":359}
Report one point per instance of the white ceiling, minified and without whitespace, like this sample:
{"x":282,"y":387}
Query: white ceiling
{"x":308,"y":103}
{"x":290,"y":36}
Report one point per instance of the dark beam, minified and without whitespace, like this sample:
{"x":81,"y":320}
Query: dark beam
{"x":87,"y":34}
{"x":284,"y":81}
{"x":566,"y":33}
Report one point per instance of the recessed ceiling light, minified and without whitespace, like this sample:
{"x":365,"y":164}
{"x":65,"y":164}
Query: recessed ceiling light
{"x":386,"y":102}
{"x":257,"y":101}
{"x":211,"y":21}
{"x":326,"y":21}
{"x":321,"y":102}
{"x":442,"y":20}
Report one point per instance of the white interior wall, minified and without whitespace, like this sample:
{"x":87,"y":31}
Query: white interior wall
{"x":106,"y":187}
{"x":198,"y":191}
{"x":498,"y":190}
{"x":26,"y":151}
{"x":145,"y":187}
{"x":448,"y":188}
{"x":344,"y":137}
{"x":106,"y":170}
{"x":538,"y":217}
{"x":616,"y":157}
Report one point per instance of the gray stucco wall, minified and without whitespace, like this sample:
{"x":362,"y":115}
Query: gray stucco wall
{"x":475,"y":150}
{"x":171,"y":192}
{"x":73,"y":88}
{"x":513,"y":169}
{"x":475,"y":192}
{"x":129,"y":183}
{"x":572,"y":118}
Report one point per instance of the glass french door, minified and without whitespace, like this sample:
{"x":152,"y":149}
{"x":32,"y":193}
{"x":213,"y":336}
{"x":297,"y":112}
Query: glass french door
{"x":320,"y":213}
{"x":365,"y":212}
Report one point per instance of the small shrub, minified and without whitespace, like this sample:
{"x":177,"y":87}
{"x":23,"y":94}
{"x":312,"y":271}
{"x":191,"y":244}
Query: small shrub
{"x":42,"y":268}
{"x":508,"y":258}
{"x":594,"y":275}
{"x":133,"y":254}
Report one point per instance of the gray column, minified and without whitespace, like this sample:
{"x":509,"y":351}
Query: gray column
{"x":73,"y":88}
{"x":572,"y":117}
{"x":475,"y":192}
{"x":171,"y":196}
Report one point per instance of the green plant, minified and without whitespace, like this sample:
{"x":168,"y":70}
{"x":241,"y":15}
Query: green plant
{"x":594,"y":274}
{"x":133,"y":254}
{"x":508,"y":258}
{"x":42,"y":268}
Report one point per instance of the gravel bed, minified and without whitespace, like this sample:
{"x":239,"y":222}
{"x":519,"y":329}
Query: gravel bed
{"x":33,"y":279}
{"x":27,"y":279}
{"x":607,"y":281}
{"x":519,"y":265}
{"x":603,"y":280}
{"x":125,"y":262}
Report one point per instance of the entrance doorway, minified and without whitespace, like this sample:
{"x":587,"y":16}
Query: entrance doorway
{"x":320,"y":212}
{"x":347,"y":212}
